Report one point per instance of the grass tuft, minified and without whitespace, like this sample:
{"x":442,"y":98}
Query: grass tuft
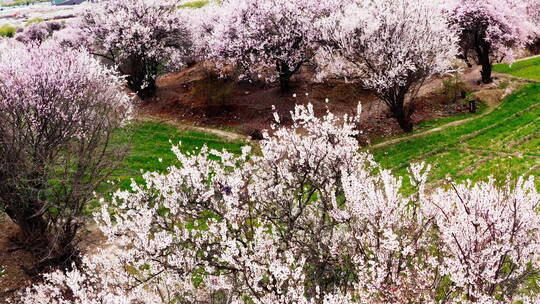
{"x":195,"y":4}
{"x":7,"y":31}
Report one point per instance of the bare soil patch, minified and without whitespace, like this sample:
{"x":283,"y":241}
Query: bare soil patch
{"x":13,"y":260}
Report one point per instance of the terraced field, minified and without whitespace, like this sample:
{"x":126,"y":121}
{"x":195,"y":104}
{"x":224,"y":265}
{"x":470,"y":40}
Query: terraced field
{"x":505,"y":141}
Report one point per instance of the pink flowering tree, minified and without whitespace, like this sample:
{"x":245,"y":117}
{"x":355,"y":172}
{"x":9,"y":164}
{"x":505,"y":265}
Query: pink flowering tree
{"x":142,"y":37}
{"x":38,"y":32}
{"x":72,"y":36}
{"x":390,"y":47}
{"x":489,"y":236}
{"x":534,"y":13}
{"x":58,"y":109}
{"x":491,"y":30}
{"x":268,"y":39}
{"x":308,"y":220}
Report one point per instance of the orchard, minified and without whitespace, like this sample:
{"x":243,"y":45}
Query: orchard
{"x":114,"y":202}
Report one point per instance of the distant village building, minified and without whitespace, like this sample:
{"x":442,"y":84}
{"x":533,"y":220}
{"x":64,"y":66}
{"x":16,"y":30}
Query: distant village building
{"x":66,"y":2}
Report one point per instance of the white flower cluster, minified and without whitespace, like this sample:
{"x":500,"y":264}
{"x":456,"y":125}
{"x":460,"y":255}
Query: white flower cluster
{"x":309,"y":219}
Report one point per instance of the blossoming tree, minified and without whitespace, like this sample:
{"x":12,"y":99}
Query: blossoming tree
{"x":269,"y":39}
{"x":38,"y":32}
{"x":487,"y":234}
{"x":490,"y":30}
{"x":309,"y":220}
{"x":534,"y":13}
{"x":142,"y":37}
{"x":58,"y":109}
{"x":391,"y":47}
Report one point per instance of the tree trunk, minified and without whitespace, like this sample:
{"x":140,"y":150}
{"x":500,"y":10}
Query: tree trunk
{"x":29,"y":217}
{"x":483,"y":53}
{"x":402,"y":115}
{"x":404,"y":121}
{"x":486,"y":72}
{"x":285,"y":75}
{"x":51,"y":247}
{"x":284,"y":82}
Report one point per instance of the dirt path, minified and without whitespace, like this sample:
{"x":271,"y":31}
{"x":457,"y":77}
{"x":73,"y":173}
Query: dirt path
{"x":527,"y":58}
{"x":490,"y":107}
{"x":221,"y":133}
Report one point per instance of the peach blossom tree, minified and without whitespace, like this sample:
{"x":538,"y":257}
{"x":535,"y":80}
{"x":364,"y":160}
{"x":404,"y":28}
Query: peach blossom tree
{"x":491,"y":30}
{"x":58,"y":109}
{"x":141,"y":37}
{"x":269,"y":39}
{"x":390,"y":47}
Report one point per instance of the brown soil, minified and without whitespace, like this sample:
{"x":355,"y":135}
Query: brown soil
{"x":12,"y":260}
{"x":248,"y":107}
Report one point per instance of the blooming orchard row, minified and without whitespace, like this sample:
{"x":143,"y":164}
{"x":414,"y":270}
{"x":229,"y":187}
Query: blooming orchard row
{"x":391,"y":47}
{"x":309,"y":220}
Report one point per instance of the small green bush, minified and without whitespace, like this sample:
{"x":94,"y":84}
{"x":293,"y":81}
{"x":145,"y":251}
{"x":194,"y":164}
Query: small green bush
{"x":7,"y":31}
{"x":453,"y":88}
{"x":195,"y":4}
{"x":34,"y":20}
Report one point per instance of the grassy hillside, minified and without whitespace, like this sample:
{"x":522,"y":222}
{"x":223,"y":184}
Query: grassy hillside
{"x":529,"y":69}
{"x":506,"y":141}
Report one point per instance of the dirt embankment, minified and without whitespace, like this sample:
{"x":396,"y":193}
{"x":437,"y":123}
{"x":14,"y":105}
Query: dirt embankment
{"x":193,"y":98}
{"x":12,"y":259}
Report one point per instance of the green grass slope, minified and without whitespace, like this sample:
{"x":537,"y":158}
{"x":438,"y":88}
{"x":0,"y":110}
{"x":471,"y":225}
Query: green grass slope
{"x":529,"y":69}
{"x":506,"y":141}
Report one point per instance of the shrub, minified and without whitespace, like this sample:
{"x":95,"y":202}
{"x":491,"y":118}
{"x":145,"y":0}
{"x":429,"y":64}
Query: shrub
{"x":34,"y":20}
{"x":453,"y":88}
{"x":71,"y":36}
{"x":308,"y":220}
{"x":38,"y":32}
{"x":7,"y":31}
{"x":58,"y":108}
